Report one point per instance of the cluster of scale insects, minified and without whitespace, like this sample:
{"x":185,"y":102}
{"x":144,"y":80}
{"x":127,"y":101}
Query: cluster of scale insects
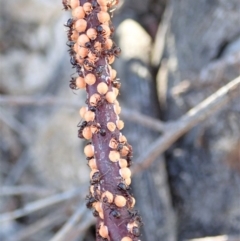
{"x":92,"y":50}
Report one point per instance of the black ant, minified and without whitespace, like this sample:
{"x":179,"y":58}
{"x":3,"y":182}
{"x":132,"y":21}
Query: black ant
{"x":123,"y":187}
{"x":69,"y":34}
{"x":82,"y":126}
{"x":112,"y":29}
{"x":119,"y":146}
{"x":79,"y":71}
{"x":89,"y":158}
{"x":66,"y":6}
{"x":100,"y":30}
{"x":90,"y":200}
{"x":95,"y":213}
{"x":88,"y":45}
{"x":116,"y":51}
{"x":73,"y":61}
{"x":72,"y":84}
{"x":116,"y":84}
{"x":136,"y":231}
{"x":94,"y":4}
{"x":70,"y":44}
{"x":135,"y":217}
{"x":88,"y":65}
{"x":99,"y":70}
{"x":102,"y":132}
{"x":69,"y":23}
{"x":97,"y":177}
{"x":93,"y":108}
{"x":71,"y":52}
{"x":129,"y":160}
{"x":113,"y":51}
{"x":115,"y":213}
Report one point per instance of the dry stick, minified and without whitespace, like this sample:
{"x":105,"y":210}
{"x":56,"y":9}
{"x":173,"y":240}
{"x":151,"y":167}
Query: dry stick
{"x":15,"y":125}
{"x":215,"y":69}
{"x":144,"y":120}
{"x":26,"y":189}
{"x":62,"y":234}
{"x":78,"y":232}
{"x":18,"y":169}
{"x":47,"y":101}
{"x":217,"y":238}
{"x":42,"y":203}
{"x":83,"y":226}
{"x":53,"y":219}
{"x":35,"y":101}
{"x":193,"y":117}
{"x":23,"y":161}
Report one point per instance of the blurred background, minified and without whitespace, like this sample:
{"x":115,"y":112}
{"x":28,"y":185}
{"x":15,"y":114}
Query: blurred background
{"x":174,"y":55}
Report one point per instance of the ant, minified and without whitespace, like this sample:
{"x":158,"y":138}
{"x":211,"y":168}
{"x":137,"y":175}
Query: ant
{"x":120,"y":146}
{"x":95,"y":213}
{"x":136,"y":231}
{"x":112,"y":29}
{"x":88,"y":65}
{"x":102,"y":132}
{"x":100,"y":30}
{"x":72,"y":84}
{"x":129,"y":161}
{"x":79,"y":71}
{"x":93,"y":108}
{"x":71,"y":52}
{"x":97,"y":177}
{"x":99,"y":70}
{"x":115,"y":213}
{"x":116,"y":84}
{"x":69,"y":34}
{"x":82,"y":126}
{"x":123,"y":187}
{"x":69,"y":23}
{"x":90,"y":200}
{"x":116,"y":51}
{"x":89,"y":158}
{"x":135,"y":217}
{"x":94,"y":4}
{"x":73,"y":61}
{"x":70,"y":43}
{"x":66,"y":6}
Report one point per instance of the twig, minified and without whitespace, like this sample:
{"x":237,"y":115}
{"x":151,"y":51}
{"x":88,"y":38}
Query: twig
{"x":83,"y":226}
{"x":42,"y":203}
{"x":217,"y":238}
{"x":78,"y":233}
{"x":18,"y":169}
{"x":61,"y":235}
{"x":19,"y":190}
{"x":35,"y":101}
{"x":144,"y":120}
{"x":189,"y":120}
{"x":215,"y":70}
{"x":48,"y":101}
{"x":160,"y":40}
{"x":15,"y":125}
{"x":53,"y":219}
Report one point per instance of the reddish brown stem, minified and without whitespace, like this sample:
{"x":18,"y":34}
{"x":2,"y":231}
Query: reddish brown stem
{"x":108,"y":153}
